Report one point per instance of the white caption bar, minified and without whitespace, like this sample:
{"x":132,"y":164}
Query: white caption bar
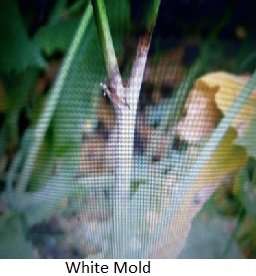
{"x":127,"y":267}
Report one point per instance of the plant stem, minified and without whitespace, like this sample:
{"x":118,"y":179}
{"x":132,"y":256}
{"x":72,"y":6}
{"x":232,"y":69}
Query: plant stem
{"x":101,"y":19}
{"x":51,"y":103}
{"x":125,"y":101}
{"x":125,"y":124}
{"x":152,"y":15}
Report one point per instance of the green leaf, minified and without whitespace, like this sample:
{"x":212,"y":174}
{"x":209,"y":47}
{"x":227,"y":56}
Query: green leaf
{"x":245,"y":187}
{"x":152,"y":15}
{"x":44,"y":165}
{"x":80,"y":96}
{"x":118,"y":13}
{"x":13,"y":242}
{"x":248,"y":139}
{"x":248,"y":197}
{"x":17,"y":99}
{"x":63,"y":21}
{"x":57,"y":11}
{"x":17,"y":51}
{"x":57,"y":37}
{"x":52,"y":101}
{"x":119,"y":21}
{"x":39,"y":205}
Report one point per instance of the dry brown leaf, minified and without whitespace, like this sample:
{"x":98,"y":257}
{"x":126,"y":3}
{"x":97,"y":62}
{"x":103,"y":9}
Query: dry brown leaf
{"x":211,"y":93}
{"x":202,"y":114}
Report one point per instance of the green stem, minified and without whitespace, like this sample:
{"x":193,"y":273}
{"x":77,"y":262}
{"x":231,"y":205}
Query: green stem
{"x":51,"y":103}
{"x":100,"y":16}
{"x":152,"y":15}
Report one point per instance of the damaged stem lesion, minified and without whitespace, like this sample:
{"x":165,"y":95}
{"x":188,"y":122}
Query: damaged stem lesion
{"x":124,"y":100}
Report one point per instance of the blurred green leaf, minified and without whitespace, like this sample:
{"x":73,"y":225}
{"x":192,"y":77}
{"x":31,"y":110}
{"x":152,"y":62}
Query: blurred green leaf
{"x":80,"y":97}
{"x":3,"y":98}
{"x":57,"y":11}
{"x":13,"y":244}
{"x":248,"y":139}
{"x":118,"y":13}
{"x":45,"y":163}
{"x":208,"y":240}
{"x":247,"y":238}
{"x":17,"y":51}
{"x":245,"y":188}
{"x":248,"y":197}
{"x":39,"y":205}
{"x":17,"y":99}
{"x":245,"y":58}
{"x":52,"y":102}
{"x":57,"y":37}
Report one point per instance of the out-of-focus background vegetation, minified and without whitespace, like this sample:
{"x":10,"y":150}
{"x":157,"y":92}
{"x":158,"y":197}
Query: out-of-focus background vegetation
{"x":49,"y":219}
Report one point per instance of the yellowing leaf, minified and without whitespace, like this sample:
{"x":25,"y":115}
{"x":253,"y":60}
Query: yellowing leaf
{"x":228,"y":88}
{"x":226,"y":159}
